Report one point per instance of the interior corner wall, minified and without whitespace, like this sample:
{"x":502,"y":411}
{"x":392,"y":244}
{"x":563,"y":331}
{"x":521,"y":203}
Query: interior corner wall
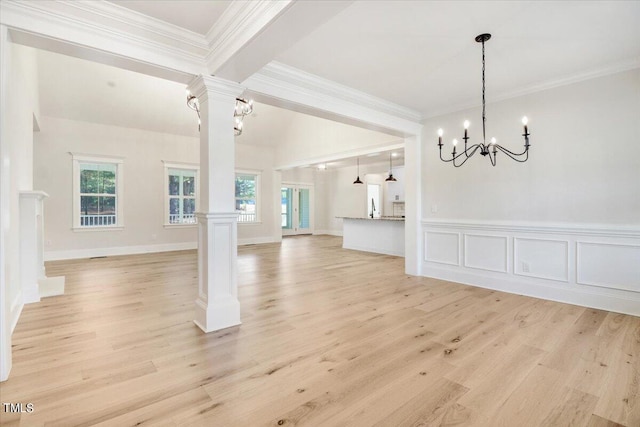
{"x":565,"y":225}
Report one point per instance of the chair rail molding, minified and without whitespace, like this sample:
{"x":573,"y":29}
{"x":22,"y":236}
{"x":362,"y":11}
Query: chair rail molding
{"x":592,"y":265}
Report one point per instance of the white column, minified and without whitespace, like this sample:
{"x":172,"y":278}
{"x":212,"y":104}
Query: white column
{"x":217,"y":305}
{"x":31,"y":244}
{"x":413,"y":205}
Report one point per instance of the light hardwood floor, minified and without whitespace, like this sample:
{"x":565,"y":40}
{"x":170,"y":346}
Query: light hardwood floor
{"x":330,"y":337}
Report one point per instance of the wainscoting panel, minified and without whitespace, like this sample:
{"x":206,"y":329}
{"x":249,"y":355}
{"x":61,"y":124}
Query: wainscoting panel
{"x":609,"y":265}
{"x":442,"y":247}
{"x":541,"y":258}
{"x":592,"y":266}
{"x":485,"y":252}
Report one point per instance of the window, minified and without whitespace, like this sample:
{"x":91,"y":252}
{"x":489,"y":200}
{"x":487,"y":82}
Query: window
{"x":97,"y":192}
{"x":181,"y":190}
{"x":247,"y":196}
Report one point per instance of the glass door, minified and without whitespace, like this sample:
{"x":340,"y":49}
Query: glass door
{"x":296,"y":209}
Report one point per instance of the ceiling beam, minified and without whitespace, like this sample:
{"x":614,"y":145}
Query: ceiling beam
{"x":243,"y":41}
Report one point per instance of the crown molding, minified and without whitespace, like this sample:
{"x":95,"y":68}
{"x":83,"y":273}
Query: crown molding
{"x":138,"y":20}
{"x":609,"y":69}
{"x":99,"y":25}
{"x":296,"y":87}
{"x":312,"y":82}
{"x":239,"y":23}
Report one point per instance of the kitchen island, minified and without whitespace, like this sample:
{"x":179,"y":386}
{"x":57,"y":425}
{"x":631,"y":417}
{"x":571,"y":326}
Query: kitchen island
{"x":384,"y":235}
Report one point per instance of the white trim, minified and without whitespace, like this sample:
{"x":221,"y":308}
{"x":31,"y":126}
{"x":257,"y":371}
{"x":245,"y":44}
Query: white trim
{"x":304,"y":92}
{"x":516,"y":271}
{"x":185,"y":166}
{"x":307,"y":82}
{"x":627,"y":303}
{"x":116,"y":251}
{"x":568,"y":287}
{"x":78,"y":158}
{"x":465,"y":246}
{"x":239,"y":23}
{"x":104,"y":228}
{"x":619,"y":67}
{"x":90,"y":24}
{"x":258,"y":174}
{"x":632,"y":231}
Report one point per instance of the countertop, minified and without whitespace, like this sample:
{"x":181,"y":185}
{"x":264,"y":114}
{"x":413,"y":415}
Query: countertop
{"x":383,"y":218}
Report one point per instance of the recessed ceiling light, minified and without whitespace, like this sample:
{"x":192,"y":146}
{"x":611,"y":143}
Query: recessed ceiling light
{"x":394,"y":154}
{"x":322,"y":166}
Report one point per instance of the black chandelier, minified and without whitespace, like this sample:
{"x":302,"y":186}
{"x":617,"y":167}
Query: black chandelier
{"x":492,"y":148}
{"x":243,"y":108}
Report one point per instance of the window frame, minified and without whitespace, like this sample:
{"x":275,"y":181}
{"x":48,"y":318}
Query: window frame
{"x":258,"y":178}
{"x":77,"y":160}
{"x":184,"y":166}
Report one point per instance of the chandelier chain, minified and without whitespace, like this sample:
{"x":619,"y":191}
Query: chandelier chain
{"x":484,"y":115}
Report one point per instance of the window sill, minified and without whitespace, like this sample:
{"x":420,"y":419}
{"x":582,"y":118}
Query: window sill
{"x":250,"y":223}
{"x":181,"y":225}
{"x":109,"y":228}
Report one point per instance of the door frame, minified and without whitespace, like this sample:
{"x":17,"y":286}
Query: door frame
{"x":297,"y":186}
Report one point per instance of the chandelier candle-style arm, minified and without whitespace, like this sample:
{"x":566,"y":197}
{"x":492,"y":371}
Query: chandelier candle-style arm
{"x":492,"y":148}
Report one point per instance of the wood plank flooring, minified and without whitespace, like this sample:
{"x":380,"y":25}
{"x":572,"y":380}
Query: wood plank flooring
{"x":330,"y":337}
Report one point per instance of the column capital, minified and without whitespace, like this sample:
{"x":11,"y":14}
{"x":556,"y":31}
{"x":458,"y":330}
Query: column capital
{"x":205,"y":86}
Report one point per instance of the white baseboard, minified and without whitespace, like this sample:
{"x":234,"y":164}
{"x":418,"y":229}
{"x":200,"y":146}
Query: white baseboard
{"x":122,"y":250}
{"x":621,"y":304}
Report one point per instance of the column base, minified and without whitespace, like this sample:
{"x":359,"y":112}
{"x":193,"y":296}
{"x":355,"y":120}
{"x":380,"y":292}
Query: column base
{"x":217,"y":315}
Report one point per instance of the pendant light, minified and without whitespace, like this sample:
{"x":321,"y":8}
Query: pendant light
{"x":357,"y":181}
{"x":390,"y":178}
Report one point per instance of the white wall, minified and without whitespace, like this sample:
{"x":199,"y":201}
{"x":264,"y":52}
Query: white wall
{"x":19,"y":110}
{"x":309,"y":139}
{"x":256,"y":158}
{"x":143,"y":152}
{"x":563,"y":226}
{"x":584,"y":161}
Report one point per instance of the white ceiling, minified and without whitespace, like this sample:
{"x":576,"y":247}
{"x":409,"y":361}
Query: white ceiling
{"x":194,"y":15}
{"x":422,"y":54}
{"x":77,"y":89}
{"x":418,"y":54}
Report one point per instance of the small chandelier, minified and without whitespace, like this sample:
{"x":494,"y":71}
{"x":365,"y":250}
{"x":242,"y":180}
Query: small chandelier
{"x":492,"y":148}
{"x":390,"y":178}
{"x":243,"y":107}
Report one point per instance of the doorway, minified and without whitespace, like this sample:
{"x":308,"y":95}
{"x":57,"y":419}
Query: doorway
{"x":296,"y":209}
{"x":373,"y":201}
